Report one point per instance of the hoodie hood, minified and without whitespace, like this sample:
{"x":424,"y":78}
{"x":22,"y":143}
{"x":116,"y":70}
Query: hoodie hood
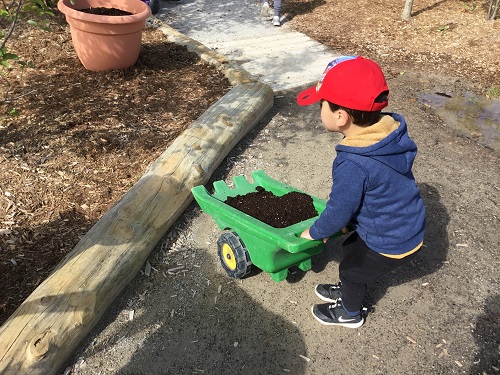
{"x":386,"y":141}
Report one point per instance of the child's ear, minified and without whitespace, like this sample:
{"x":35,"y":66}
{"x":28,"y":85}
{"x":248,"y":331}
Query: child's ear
{"x":342,"y":117}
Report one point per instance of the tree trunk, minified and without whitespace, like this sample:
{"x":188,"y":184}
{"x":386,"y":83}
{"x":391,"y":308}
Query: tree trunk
{"x":492,"y":10}
{"x":407,"y":10}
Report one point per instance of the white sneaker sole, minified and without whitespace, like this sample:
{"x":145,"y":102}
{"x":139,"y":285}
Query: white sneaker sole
{"x":346,"y":325}
{"x":265,"y":10}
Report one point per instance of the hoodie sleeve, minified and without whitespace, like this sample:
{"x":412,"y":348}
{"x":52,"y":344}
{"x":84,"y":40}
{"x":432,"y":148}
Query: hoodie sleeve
{"x":345,"y":198}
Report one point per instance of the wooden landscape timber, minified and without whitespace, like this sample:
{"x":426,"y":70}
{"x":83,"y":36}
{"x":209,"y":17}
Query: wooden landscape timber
{"x":42,"y":333}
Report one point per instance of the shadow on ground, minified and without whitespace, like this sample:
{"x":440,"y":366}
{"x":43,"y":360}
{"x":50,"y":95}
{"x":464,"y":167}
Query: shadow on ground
{"x":487,"y":336}
{"x":192,"y":328}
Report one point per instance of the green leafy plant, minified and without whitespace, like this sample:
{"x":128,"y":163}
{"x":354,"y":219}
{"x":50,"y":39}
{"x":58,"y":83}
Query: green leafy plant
{"x":470,"y":7}
{"x":493,"y":92}
{"x":14,"y":12}
{"x":5,"y":57}
{"x":443,"y":28}
{"x":34,"y":13}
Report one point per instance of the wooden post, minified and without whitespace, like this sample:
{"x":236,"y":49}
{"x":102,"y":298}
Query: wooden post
{"x":406,"y":15}
{"x":43,"y":332}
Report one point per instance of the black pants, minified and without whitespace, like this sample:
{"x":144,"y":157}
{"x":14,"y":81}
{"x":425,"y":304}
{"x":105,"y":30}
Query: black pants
{"x":361,"y":266}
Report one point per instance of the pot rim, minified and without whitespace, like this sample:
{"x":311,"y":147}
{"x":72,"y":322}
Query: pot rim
{"x":71,"y":10}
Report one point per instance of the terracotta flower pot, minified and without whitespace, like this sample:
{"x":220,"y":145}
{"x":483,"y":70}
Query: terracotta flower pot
{"x":106,"y":42}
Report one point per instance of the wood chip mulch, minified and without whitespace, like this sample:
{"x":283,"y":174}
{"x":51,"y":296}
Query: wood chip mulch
{"x":72,"y":142}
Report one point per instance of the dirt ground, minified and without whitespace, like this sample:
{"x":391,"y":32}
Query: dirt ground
{"x":448,"y":37}
{"x":438,"y":315}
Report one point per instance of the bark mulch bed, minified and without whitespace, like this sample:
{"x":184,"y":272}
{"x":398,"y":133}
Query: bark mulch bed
{"x":72,"y":142}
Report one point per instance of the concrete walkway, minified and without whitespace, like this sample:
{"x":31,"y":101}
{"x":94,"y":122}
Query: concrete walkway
{"x":278,"y":56}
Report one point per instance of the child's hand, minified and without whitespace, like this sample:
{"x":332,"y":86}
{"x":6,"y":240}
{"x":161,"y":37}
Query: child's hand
{"x":345,"y":230}
{"x":305,"y":234}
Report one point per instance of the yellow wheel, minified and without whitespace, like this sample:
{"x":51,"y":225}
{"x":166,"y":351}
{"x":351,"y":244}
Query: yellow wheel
{"x":233,"y":255}
{"x":228,"y":256}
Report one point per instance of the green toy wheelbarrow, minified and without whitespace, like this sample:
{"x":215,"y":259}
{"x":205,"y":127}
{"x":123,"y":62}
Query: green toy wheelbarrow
{"x":248,"y":241}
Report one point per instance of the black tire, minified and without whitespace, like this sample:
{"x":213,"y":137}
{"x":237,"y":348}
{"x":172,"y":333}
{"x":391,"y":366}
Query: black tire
{"x":154,"y":5}
{"x":233,"y":255}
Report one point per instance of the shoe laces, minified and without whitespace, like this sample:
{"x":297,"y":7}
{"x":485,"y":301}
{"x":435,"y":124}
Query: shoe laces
{"x":337,"y":303}
{"x":333,"y":290}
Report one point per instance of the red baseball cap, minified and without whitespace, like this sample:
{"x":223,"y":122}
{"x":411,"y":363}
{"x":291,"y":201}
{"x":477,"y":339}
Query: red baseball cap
{"x":349,"y":81}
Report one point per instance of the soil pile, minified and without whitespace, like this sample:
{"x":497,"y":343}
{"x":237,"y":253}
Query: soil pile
{"x":278,"y":212}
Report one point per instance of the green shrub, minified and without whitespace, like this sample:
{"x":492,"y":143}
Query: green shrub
{"x":18,"y":11}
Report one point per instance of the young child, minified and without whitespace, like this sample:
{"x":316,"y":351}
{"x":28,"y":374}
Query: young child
{"x":373,"y":187}
{"x":277,"y":11}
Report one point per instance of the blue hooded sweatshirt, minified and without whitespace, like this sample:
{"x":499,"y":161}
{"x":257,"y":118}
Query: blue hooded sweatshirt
{"x":374,"y":189}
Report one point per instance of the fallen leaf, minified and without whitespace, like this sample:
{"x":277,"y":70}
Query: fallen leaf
{"x":147,"y":269}
{"x":410,"y":339}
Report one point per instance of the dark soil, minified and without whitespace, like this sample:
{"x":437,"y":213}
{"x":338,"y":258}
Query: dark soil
{"x":278,"y":212}
{"x":101,"y":11}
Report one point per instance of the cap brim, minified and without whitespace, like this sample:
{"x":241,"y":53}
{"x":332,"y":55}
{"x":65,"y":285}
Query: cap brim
{"x":309,"y":96}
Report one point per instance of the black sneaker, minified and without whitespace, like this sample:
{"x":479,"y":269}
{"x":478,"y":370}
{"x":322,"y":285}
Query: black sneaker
{"x":334,"y":314}
{"x":328,"y":292}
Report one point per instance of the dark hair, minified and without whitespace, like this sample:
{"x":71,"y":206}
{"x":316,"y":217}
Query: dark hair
{"x":362,"y":118}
